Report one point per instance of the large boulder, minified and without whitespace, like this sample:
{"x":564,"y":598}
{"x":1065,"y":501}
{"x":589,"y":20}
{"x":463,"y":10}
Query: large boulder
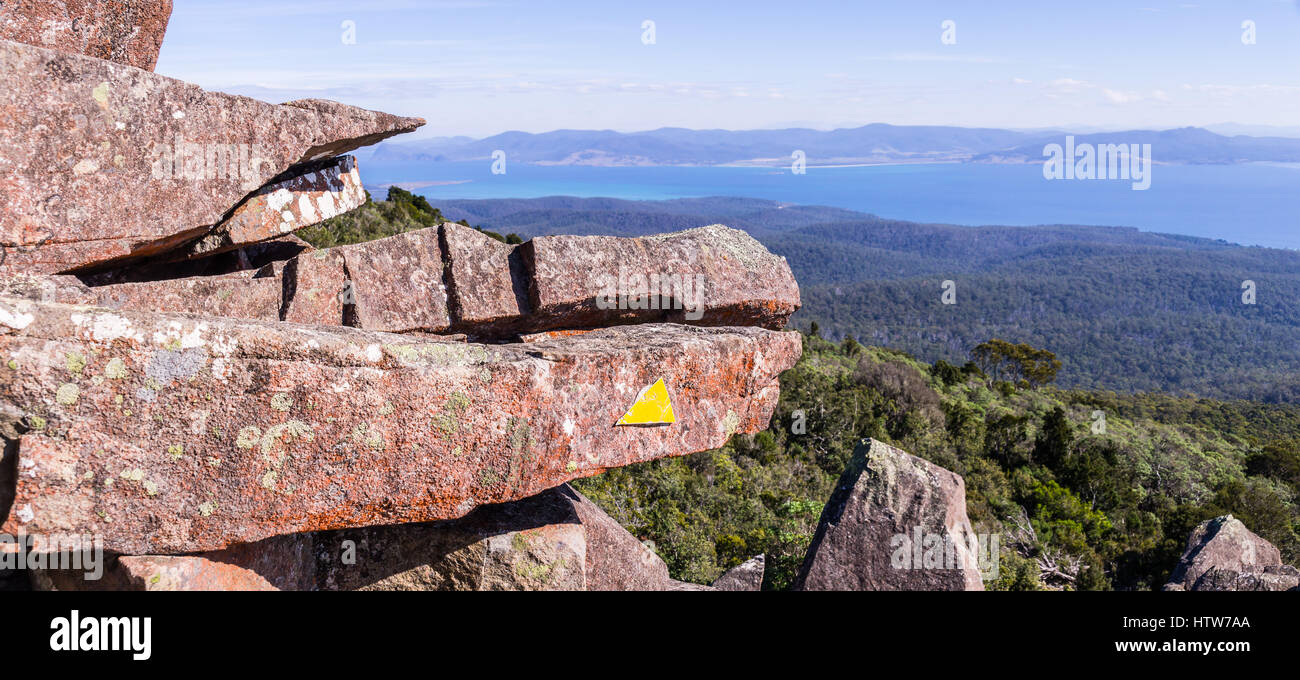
{"x":555,"y":540}
{"x":746,"y":576}
{"x":712,"y":276}
{"x":128,"y":32}
{"x":179,"y":433}
{"x":1238,"y":558}
{"x":101,"y":165}
{"x":894,"y":522}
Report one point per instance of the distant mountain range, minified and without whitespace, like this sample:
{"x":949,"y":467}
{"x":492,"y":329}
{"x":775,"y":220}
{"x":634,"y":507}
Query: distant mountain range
{"x":875,"y":143}
{"x":1124,"y":309}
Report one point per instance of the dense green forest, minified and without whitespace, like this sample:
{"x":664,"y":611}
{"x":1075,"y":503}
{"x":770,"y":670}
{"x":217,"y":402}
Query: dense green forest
{"x":1088,"y":489}
{"x":1077,"y":505}
{"x":1123,"y":309}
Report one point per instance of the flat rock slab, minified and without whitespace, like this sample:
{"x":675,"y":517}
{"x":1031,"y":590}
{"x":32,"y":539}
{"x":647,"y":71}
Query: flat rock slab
{"x":180,"y":433}
{"x":101,"y":164}
{"x":555,"y":540}
{"x":894,"y":522}
{"x":712,"y":276}
{"x":128,"y":32}
{"x":239,"y":295}
{"x":1225,"y":544}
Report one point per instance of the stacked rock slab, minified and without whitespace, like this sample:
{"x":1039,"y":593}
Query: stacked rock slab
{"x":1222,"y":554}
{"x":104,"y":164}
{"x":449,"y":279}
{"x":555,"y":540}
{"x":894,"y":522}
{"x":177,"y":433}
{"x":223,"y":406}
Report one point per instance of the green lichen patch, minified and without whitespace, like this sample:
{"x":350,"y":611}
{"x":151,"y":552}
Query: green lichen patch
{"x":74,"y":361}
{"x":207,"y":508}
{"x":448,"y":419}
{"x":176,"y":451}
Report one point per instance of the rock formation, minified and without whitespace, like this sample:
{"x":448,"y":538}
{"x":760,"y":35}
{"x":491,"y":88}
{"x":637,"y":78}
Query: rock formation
{"x":555,"y":540}
{"x":746,"y":576}
{"x":894,"y":522}
{"x":225,"y":407}
{"x":104,"y":165}
{"x":1222,"y":554}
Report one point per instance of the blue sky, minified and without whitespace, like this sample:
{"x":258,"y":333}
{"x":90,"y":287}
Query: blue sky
{"x":482,"y":67}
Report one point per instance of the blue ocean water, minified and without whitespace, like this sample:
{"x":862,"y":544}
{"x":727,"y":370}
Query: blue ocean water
{"x":1250,"y":204}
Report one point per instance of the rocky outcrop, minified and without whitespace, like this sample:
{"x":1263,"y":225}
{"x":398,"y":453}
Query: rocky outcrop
{"x":746,"y":576}
{"x":1222,"y":554}
{"x":437,"y":280}
{"x":894,"y":522}
{"x":103,"y":165}
{"x":555,"y":540}
{"x":173,"y":433}
{"x":224,"y":407}
{"x":125,"y":31}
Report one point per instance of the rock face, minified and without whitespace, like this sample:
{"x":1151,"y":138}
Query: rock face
{"x":712,"y":276}
{"x":555,"y":540}
{"x":894,"y":522}
{"x":101,"y":164}
{"x":1285,"y":577}
{"x":1222,"y":554}
{"x":489,"y":288}
{"x":746,"y":576}
{"x":179,"y":433}
{"x":125,"y":31}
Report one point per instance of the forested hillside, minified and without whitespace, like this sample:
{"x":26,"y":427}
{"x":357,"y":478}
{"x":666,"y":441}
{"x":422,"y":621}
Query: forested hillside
{"x":1087,"y":490}
{"x":1123,"y":309}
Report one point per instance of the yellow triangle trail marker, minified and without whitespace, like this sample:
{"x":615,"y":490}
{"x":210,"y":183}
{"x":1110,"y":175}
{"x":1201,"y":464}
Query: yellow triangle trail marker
{"x":652,"y":407}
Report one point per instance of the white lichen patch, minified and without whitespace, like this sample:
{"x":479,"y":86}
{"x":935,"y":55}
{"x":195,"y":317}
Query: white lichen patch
{"x":25,"y":514}
{"x":107,"y":327}
{"x":248,"y":437}
{"x":67,"y":394}
{"x":281,"y":401}
{"x":14,"y":318}
{"x":115,"y":369}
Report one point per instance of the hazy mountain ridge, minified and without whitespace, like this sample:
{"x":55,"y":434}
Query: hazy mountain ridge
{"x":875,"y":143}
